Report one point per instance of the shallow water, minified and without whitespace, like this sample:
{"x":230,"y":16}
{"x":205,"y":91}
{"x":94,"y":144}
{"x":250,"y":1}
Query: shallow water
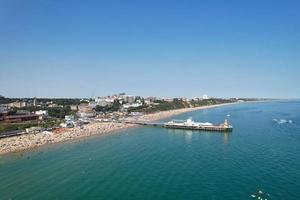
{"x":156,"y":163}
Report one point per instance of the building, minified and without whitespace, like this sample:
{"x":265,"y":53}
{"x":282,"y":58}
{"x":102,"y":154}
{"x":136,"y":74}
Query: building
{"x":133,"y":105}
{"x":23,"y":112}
{"x":104,"y":101}
{"x":84,"y":110}
{"x":19,"y":118}
{"x":74,"y":107}
{"x":186,"y":99}
{"x":49,"y":103}
{"x":148,"y":102}
{"x":205,"y":96}
{"x":92,"y":104}
{"x":42,"y":114}
{"x":129,"y":98}
{"x":34,"y":101}
{"x":151,"y":99}
{"x":55,"y":105}
{"x":4,"y":108}
{"x":69,"y":123}
{"x":169,"y":99}
{"x":18,"y":104}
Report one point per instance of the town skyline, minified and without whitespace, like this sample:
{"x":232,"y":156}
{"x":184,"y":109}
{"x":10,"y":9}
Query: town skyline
{"x":199,"y":96}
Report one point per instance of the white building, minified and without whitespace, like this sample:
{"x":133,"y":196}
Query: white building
{"x":205,"y":96}
{"x":169,"y":99}
{"x":148,"y":102}
{"x":34,"y":101}
{"x":104,"y":101}
{"x":42,"y":112}
{"x":133,"y":105}
{"x":74,"y":107}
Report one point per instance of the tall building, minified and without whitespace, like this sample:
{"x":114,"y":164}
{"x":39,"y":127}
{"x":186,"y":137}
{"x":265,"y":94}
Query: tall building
{"x":34,"y":101}
{"x":129,"y":98}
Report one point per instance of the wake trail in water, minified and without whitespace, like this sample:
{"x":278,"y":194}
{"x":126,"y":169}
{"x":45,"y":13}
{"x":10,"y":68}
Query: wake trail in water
{"x":283,"y":121}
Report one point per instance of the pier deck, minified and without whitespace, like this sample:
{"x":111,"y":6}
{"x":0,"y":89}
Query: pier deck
{"x":163,"y":125}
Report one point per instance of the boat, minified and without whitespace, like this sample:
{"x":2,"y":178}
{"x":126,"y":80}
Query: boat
{"x":192,"y":125}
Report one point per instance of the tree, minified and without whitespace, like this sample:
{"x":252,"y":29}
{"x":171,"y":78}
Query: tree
{"x":115,"y":106}
{"x":101,"y":108}
{"x":59,"y":112}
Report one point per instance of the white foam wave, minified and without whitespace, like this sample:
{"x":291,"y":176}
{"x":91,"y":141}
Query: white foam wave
{"x":282,"y":121}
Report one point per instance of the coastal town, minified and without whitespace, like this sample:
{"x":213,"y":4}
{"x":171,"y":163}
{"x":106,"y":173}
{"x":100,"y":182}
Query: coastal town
{"x":140,"y":100}
{"x":30,"y":122}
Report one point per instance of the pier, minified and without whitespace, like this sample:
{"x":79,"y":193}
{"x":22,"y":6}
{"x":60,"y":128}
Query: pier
{"x":188,"y":125}
{"x":217,"y":128}
{"x":212,"y":128}
{"x":142,"y":123}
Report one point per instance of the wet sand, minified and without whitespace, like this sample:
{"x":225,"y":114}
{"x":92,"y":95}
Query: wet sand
{"x":28,"y":141}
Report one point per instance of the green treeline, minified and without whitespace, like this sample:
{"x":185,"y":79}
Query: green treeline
{"x":161,"y":105}
{"x":22,"y":126}
{"x":43,"y":101}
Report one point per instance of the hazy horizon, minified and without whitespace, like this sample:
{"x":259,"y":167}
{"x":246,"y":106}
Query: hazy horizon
{"x":177,"y":96}
{"x":158,"y":48}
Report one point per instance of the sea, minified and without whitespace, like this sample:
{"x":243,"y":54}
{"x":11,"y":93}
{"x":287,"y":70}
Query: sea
{"x":259,"y":159}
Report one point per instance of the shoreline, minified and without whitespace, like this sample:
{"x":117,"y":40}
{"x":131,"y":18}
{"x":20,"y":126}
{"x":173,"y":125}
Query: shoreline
{"x":31,"y":141}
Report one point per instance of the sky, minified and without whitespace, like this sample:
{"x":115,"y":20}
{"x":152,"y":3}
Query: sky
{"x":228,"y":48}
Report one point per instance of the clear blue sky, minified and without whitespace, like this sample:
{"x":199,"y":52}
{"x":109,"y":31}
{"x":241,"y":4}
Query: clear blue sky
{"x":166,"y":48}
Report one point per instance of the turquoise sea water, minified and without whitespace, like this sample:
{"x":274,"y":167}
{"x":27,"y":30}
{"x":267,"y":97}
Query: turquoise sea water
{"x":262,"y":153}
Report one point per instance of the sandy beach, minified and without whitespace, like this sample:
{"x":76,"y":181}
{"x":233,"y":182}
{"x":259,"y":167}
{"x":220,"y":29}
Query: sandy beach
{"x":28,"y":141}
